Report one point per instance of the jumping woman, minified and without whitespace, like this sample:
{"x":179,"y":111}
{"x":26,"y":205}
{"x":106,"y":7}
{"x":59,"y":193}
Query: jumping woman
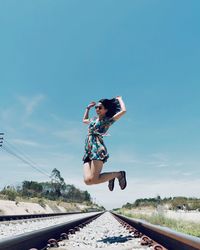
{"x":96,"y":154}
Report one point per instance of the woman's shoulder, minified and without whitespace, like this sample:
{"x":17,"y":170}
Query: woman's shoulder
{"x":109,"y":120}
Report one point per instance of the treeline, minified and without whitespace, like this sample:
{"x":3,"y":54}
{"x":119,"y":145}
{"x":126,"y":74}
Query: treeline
{"x":55,"y":189}
{"x":171,"y":202}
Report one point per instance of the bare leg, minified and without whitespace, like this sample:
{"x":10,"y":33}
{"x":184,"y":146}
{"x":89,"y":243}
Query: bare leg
{"x":107,"y":177}
{"x":92,"y":173}
{"x":87,"y":172}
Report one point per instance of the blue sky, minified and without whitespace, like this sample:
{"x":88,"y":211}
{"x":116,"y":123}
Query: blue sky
{"x":57,"y":56}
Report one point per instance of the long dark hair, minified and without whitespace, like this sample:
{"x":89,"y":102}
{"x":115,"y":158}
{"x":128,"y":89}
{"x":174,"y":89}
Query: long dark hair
{"x":112,"y":105}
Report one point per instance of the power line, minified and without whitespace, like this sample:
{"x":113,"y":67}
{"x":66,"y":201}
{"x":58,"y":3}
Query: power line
{"x":23,"y":160}
{"x":27,"y":158}
{"x":10,"y":149}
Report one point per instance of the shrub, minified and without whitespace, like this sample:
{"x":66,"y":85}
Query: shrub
{"x":42,"y":203}
{"x":10,"y":193}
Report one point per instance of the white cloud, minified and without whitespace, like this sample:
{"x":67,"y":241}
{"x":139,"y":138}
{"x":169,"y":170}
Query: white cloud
{"x":71,"y":135}
{"x":25,"y":142}
{"x":6,"y":114}
{"x":125,"y":156}
{"x":187,"y":173}
{"x":35,"y":127}
{"x":161,"y":165}
{"x":159,"y":156}
{"x":8,"y":117}
{"x":14,"y":118}
{"x":30,"y":104}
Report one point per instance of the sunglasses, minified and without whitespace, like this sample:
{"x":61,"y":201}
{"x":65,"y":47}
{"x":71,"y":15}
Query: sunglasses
{"x":98,"y":107}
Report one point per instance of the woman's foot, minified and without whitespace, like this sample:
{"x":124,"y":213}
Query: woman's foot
{"x":111,"y":184}
{"x":122,"y":180}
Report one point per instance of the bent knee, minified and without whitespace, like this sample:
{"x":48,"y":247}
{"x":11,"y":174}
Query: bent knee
{"x":89,"y":180}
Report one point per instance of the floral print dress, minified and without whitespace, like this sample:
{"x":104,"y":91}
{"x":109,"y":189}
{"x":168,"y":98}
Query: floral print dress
{"x":95,"y":148}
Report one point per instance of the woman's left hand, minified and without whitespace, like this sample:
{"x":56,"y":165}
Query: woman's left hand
{"x":118,"y":97}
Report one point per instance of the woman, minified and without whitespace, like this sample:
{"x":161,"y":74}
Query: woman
{"x":96,"y":154}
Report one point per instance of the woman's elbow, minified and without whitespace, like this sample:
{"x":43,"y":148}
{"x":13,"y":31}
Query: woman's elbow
{"x":85,"y":121}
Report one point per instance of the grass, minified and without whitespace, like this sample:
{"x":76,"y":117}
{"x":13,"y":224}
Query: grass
{"x":186,"y":227}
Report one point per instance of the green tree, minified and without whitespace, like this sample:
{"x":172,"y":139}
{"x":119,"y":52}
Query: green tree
{"x":31,"y":188}
{"x":10,"y":192}
{"x":58,"y":182}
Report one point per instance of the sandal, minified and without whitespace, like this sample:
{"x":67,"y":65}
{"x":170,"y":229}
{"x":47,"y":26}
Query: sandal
{"x":122,"y":180}
{"x":111,"y":184}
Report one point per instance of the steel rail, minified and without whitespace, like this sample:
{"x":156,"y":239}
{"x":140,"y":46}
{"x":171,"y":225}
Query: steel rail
{"x":30,"y":216}
{"x":168,"y":238}
{"x":39,"y":239}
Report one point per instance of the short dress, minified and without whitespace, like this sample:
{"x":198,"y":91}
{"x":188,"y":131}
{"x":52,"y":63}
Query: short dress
{"x":95,"y":148}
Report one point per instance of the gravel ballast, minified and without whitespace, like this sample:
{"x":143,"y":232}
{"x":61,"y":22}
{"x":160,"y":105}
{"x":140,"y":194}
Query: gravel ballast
{"x":106,"y":233}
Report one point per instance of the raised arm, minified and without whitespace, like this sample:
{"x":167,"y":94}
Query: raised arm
{"x":86,"y":119}
{"x":123,"y":109}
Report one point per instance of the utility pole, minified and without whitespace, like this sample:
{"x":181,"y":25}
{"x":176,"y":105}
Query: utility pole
{"x":1,"y":139}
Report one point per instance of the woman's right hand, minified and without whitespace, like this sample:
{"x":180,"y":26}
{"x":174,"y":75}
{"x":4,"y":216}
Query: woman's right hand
{"x":92,"y":104}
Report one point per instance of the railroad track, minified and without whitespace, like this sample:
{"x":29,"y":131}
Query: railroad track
{"x":14,"y":225}
{"x":31,"y":216}
{"x":105,"y":231}
{"x":167,"y":238}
